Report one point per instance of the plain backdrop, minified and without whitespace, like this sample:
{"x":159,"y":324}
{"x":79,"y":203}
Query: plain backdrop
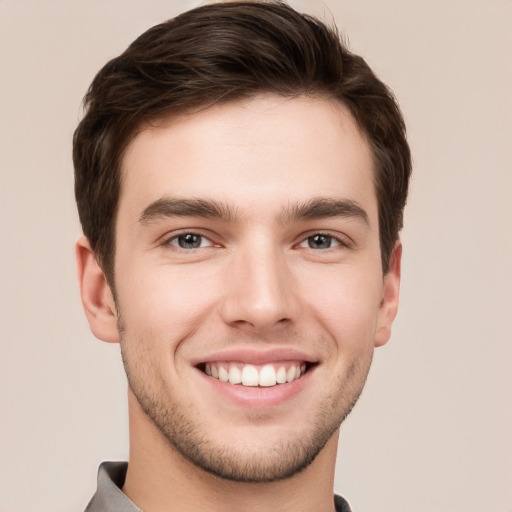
{"x":432,"y":431}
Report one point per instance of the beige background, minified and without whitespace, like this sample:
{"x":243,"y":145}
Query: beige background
{"x":432,"y":431}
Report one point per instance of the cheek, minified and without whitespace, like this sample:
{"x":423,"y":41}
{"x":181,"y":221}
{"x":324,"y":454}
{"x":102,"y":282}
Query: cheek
{"x":166,"y":301}
{"x":347,"y":304}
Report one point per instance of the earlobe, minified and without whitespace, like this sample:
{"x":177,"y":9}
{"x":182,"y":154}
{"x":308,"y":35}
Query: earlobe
{"x":97,"y":298}
{"x":390,"y":297}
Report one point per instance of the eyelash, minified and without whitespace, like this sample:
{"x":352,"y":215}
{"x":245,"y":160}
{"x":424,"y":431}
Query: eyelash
{"x":176,"y":237}
{"x":339,"y":240}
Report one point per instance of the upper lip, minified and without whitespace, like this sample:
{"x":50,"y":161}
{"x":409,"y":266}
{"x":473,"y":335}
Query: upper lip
{"x":253,"y":356}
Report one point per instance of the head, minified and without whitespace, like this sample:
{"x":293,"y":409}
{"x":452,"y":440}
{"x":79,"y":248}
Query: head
{"x":217,"y":54}
{"x":241,"y":178}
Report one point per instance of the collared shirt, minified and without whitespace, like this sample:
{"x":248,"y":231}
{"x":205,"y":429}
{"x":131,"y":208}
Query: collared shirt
{"x":110,"y":498}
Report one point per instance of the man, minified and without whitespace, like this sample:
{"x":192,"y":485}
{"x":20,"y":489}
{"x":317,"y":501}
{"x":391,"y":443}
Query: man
{"x":240,"y":179}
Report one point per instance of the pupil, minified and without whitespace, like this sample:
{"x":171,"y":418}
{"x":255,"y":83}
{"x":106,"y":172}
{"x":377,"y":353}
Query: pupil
{"x":189,"y":241}
{"x":320,"y":242}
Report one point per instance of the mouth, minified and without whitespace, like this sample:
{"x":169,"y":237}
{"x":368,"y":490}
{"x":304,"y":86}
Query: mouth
{"x":266,"y":375}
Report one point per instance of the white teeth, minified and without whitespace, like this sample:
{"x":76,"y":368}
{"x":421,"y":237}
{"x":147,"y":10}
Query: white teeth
{"x":281,"y":375}
{"x":235,"y":375}
{"x":223,"y":374}
{"x":267,"y":376}
{"x":250,"y":375}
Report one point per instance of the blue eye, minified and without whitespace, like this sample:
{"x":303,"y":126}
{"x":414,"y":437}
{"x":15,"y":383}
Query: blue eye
{"x":320,"y":241}
{"x":190,"y":241}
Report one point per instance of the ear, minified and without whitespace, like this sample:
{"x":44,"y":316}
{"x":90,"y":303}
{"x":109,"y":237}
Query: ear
{"x":388,"y":307}
{"x":97,"y":298}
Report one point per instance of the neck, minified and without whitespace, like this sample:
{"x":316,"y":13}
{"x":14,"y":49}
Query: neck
{"x":160,"y":479}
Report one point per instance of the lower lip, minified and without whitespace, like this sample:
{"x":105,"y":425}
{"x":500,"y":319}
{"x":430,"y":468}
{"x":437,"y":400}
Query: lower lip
{"x":257,"y":396}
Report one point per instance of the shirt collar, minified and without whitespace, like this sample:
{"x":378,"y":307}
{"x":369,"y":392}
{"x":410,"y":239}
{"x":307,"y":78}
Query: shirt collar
{"x":110,"y":498}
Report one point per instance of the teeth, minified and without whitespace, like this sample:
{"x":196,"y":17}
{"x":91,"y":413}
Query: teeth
{"x":223,"y":374}
{"x":235,"y":375}
{"x":281,"y":375}
{"x":290,"y":374}
{"x":250,"y":375}
{"x":267,"y":375}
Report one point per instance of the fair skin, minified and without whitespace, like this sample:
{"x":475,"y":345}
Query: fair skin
{"x":246,"y":237}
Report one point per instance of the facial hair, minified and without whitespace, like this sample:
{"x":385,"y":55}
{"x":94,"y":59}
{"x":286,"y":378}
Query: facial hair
{"x":190,"y":435}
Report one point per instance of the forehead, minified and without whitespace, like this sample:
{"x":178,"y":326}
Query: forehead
{"x":267,"y":150}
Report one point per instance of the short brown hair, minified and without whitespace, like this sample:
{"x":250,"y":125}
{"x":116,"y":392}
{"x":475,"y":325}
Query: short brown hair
{"x":219,"y":53}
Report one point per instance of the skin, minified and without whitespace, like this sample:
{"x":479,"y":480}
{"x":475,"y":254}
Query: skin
{"x":256,"y":284}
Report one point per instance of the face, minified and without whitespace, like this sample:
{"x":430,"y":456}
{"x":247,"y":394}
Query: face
{"x":249,"y":284}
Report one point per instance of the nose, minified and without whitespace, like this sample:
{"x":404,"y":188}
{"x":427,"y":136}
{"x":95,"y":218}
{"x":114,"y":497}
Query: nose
{"x":260,"y":292}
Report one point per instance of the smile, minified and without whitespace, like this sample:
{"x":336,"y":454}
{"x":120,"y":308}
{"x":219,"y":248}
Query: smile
{"x":250,"y":375}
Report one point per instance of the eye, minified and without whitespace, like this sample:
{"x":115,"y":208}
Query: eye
{"x":190,"y":241}
{"x":320,"y":241}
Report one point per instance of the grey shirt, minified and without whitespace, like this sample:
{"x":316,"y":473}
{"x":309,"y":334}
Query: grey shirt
{"x":110,"y":498}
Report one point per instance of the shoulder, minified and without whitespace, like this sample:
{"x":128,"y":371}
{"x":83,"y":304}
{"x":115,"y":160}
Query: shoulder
{"x":340,"y":504}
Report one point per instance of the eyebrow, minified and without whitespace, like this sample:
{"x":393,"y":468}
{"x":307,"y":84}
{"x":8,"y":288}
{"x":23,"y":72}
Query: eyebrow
{"x":323,"y":208}
{"x":175,"y":207}
{"x":316,"y":208}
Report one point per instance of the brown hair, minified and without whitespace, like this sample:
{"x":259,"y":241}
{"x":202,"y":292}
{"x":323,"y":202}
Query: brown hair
{"x":219,"y":53}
